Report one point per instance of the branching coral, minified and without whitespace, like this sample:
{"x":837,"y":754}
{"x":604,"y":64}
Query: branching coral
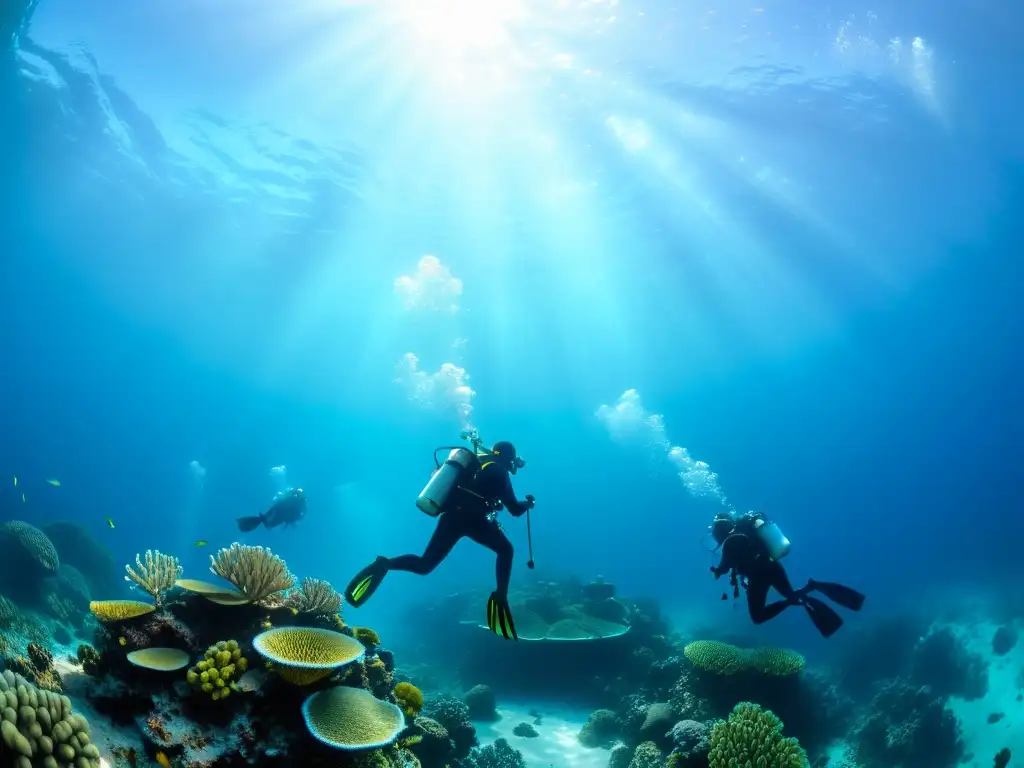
{"x":216,"y":673}
{"x":154,"y":577}
{"x":753,"y":736}
{"x":316,"y":597}
{"x":256,"y":572}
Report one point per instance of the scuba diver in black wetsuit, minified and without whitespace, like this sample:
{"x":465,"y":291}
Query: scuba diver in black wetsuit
{"x":751,"y":549}
{"x":465,"y":493}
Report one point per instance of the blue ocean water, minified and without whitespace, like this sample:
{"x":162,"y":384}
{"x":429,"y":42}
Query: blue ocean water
{"x":793,"y":231}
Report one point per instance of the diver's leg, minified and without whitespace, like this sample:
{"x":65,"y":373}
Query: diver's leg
{"x":490,"y":535}
{"x":757,"y":593}
{"x":446,"y":535}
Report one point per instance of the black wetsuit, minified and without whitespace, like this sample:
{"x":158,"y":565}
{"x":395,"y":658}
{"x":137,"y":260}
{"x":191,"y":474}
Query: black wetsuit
{"x":467,"y":514}
{"x":748,"y":557}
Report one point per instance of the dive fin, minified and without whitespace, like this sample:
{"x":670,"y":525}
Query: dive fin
{"x":499,"y":617}
{"x":246,"y":524}
{"x":838,"y":594}
{"x":365,"y":583}
{"x":825,"y":620}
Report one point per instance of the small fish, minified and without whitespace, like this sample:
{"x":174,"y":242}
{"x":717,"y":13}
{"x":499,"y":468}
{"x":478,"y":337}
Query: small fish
{"x":23,"y":498}
{"x":201,"y":543}
{"x":54,"y":483}
{"x":110,"y":522}
{"x":163,"y":759}
{"x":15,"y":481}
{"x":122,"y":642}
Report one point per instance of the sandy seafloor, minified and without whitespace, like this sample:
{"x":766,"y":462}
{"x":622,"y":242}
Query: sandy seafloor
{"x":556,"y":743}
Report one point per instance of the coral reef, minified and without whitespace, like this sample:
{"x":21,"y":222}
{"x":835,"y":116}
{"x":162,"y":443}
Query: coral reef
{"x":38,"y":728}
{"x":215,"y":674}
{"x":315,"y":597}
{"x":942,"y":661}
{"x":453,"y":716}
{"x":482,"y":703}
{"x":254,"y":571}
{"x":500,"y":754}
{"x":78,"y":547}
{"x":753,"y":736}
{"x":155,"y":576}
{"x":724,"y":659}
{"x":409,"y":698}
{"x":352,"y":719}
{"x":600,"y":730}
{"x":304,"y":655}
{"x":907,"y":723}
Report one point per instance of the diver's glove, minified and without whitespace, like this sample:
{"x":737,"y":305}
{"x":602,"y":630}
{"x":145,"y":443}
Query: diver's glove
{"x":531,"y":502}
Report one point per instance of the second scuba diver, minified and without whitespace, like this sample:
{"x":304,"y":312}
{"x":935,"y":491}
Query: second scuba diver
{"x":465,"y":494}
{"x":288,"y":508}
{"x":751,"y":549}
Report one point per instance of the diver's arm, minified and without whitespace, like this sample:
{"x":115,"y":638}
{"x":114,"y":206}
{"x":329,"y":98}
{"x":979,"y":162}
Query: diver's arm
{"x":726,"y":564}
{"x":508,"y":498}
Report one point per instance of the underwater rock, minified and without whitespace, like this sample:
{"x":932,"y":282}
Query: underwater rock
{"x":658,"y":721}
{"x":598,"y":590}
{"x":620,"y":756}
{"x":482,"y":703}
{"x":435,"y":747}
{"x":1004,"y":640}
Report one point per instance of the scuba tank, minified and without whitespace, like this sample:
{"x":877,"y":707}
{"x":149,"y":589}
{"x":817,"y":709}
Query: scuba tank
{"x":772,"y":537}
{"x":437,"y":490}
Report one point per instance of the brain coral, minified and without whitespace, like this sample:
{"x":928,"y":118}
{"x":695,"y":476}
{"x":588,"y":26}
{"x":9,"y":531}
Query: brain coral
{"x":303,"y":655}
{"x":753,"y":736}
{"x":38,"y":729}
{"x":351,"y":718}
{"x":724,"y":659}
{"x":29,"y":544}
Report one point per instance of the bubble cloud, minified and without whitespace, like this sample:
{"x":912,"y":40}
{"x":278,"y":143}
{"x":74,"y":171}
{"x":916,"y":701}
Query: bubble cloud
{"x":279,"y":477}
{"x":198,"y":471}
{"x":630,"y":423}
{"x":446,"y":388}
{"x":431,"y":287}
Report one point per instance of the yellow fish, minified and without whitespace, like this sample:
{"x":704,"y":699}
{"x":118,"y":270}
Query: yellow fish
{"x":110,"y":522}
{"x":23,"y":498}
{"x":122,"y":642}
{"x":163,"y":760}
{"x":201,"y":543}
{"x":54,"y":483}
{"x":15,"y":481}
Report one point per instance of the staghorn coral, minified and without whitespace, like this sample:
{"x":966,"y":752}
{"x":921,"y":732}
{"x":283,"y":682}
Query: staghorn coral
{"x":154,"y":577}
{"x":352,"y":719}
{"x":409,"y":698}
{"x":753,"y":736}
{"x":38,"y":728}
{"x":256,"y":572}
{"x":315,"y":597}
{"x":216,"y":673}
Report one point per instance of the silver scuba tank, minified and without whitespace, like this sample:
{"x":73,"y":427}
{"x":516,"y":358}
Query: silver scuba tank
{"x":772,"y":537}
{"x":437,"y":490}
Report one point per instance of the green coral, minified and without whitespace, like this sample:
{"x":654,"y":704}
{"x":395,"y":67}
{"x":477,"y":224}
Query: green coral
{"x":215,"y":674}
{"x":720,"y":658}
{"x":753,"y":737}
{"x":37,"y":728}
